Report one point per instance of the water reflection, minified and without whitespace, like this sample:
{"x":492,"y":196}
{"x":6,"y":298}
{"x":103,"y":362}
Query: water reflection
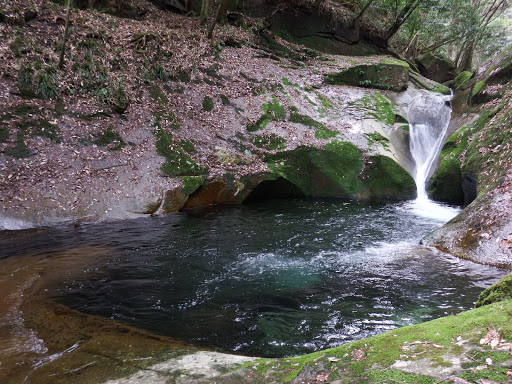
{"x":272,"y":279}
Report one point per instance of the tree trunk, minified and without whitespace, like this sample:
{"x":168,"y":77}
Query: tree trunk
{"x":218,"y":15}
{"x":466,"y":61}
{"x":362,"y":12}
{"x":65,"y":36}
{"x":402,"y":18}
{"x":205,"y":9}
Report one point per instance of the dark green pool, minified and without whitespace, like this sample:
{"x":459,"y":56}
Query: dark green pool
{"x":277,"y":278}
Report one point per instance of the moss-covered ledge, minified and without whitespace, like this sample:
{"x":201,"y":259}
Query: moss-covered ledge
{"x":392,"y":77}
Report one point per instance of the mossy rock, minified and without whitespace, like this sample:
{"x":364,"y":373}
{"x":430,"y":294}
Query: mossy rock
{"x":446,"y":183}
{"x":391,"y":77}
{"x":502,"y":290}
{"x":436,"y":67}
{"x":428,"y":84}
{"x":462,"y":80}
{"x":332,"y":170}
{"x":384,"y":178}
{"x":377,"y":107}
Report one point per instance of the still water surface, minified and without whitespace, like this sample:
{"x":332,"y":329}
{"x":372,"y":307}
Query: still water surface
{"x":271,"y":279}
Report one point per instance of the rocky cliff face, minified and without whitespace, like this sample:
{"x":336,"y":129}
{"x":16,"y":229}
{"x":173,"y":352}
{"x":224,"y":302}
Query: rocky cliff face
{"x":148,"y":116}
{"x":476,"y":166}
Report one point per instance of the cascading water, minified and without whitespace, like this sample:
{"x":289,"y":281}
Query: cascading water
{"x":429,"y":116}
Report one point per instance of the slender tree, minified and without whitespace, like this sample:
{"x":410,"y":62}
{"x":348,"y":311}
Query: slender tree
{"x":65,"y":36}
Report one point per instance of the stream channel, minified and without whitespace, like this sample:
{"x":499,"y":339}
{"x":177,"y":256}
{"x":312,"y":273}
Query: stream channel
{"x":274,"y":278}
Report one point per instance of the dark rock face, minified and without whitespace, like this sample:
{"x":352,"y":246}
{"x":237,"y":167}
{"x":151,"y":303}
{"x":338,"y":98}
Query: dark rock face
{"x":324,"y":33}
{"x":379,"y":76}
{"x":274,"y":189}
{"x":469,"y":184}
{"x":446,"y":183}
{"x":436,"y":67}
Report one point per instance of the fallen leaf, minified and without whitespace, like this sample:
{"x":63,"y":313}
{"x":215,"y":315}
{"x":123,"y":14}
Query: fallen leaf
{"x":358,"y":354}
{"x":333,"y":359}
{"x":493,"y":338}
{"x":322,"y":377}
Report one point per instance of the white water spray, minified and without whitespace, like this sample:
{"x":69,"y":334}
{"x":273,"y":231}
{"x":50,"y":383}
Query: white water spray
{"x":429,"y":116}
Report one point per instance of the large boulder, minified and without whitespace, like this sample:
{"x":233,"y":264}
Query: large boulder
{"x":436,"y":67}
{"x":392,"y":77}
{"x":338,"y":169}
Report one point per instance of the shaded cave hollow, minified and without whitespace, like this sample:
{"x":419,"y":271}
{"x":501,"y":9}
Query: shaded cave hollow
{"x":280,"y":188}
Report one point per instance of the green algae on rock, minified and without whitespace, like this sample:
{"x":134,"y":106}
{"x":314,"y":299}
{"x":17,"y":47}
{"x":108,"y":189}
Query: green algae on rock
{"x":272,"y":111}
{"x":178,"y":162}
{"x":330,"y":171}
{"x":384,"y":178}
{"x":337,"y":169}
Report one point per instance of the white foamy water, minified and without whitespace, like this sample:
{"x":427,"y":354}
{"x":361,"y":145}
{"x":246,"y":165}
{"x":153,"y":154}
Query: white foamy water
{"x":429,"y":117}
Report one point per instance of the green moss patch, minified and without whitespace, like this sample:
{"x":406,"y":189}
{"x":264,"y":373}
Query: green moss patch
{"x":178,"y":162}
{"x":208,"y":104}
{"x":395,"y":376}
{"x":20,"y":148}
{"x":272,"y":111}
{"x":446,"y":183}
{"x":500,"y":291}
{"x":191,"y":184}
{"x":462,"y":79}
{"x":322,"y":132}
{"x":330,"y":171}
{"x":383,"y":177}
{"x":157,"y":94}
{"x":109,"y":138}
{"x":40,"y":127}
{"x":378,"y":107}
{"x":377,"y":138}
{"x":269,"y":141}
{"x":4,"y":133}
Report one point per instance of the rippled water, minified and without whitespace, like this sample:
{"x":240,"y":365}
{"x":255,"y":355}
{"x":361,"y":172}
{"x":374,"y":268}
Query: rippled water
{"x":269,"y":279}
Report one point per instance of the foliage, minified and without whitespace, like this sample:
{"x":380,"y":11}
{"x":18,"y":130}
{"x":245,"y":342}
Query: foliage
{"x":41,"y":82}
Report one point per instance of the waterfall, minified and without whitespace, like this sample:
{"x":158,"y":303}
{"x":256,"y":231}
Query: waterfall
{"x":429,"y":116}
